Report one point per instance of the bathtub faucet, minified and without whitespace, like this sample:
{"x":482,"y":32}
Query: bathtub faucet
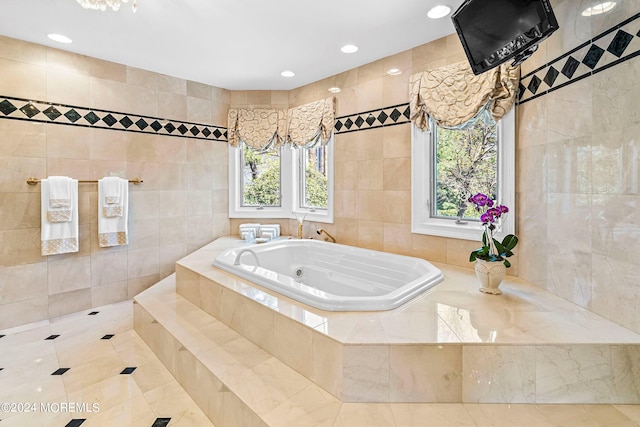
{"x":242,"y":252}
{"x":329,"y":236}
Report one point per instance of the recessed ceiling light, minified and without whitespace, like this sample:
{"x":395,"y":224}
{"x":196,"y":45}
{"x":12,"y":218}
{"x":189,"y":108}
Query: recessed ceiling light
{"x":59,"y":38}
{"x":394,"y":71}
{"x":334,"y":89}
{"x":599,"y":8}
{"x":439,"y":11}
{"x":287,"y":73}
{"x":349,"y":48}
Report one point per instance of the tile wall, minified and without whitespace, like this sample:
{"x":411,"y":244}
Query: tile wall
{"x":181,"y":206}
{"x":373,"y":159}
{"x":578,"y":164}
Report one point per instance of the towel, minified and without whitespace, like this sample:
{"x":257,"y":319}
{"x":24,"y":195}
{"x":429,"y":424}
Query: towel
{"x":111,"y":188}
{"x":59,"y":205}
{"x":112,"y":217}
{"x":59,"y":237}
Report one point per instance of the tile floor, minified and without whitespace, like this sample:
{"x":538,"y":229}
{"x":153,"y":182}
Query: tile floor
{"x":94,"y":359}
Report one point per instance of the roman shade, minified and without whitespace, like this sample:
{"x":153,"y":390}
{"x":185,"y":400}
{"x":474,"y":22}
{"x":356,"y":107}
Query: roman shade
{"x":311,"y":123}
{"x":452,"y":95}
{"x":260,"y":128}
{"x":264,"y":128}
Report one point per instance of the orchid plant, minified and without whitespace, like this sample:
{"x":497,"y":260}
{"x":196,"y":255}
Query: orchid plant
{"x":492,"y":249}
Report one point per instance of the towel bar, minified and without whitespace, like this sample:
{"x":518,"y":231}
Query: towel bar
{"x":34,"y":181}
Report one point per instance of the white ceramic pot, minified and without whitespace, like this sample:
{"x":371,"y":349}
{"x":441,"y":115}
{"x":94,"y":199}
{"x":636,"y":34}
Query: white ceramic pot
{"x":490,"y":274}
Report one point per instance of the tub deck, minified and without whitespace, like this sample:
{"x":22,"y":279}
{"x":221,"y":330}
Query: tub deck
{"x":452,"y":344}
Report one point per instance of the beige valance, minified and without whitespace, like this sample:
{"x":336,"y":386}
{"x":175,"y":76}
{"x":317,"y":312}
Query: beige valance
{"x":311,"y":123}
{"x":452,"y":95}
{"x":263,"y":128}
{"x":259,"y":128}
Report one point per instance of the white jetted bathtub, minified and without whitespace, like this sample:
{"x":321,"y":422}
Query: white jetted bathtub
{"x":331,"y":276}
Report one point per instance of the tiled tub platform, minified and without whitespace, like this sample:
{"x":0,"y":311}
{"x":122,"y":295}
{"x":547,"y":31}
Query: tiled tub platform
{"x":216,"y":331}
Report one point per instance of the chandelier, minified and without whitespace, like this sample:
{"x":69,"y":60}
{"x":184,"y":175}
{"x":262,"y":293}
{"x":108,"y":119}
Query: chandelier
{"x":103,"y":4}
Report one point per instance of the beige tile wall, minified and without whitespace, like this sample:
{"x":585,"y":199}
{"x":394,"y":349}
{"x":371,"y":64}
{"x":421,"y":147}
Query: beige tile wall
{"x":577,"y":221}
{"x":373,"y":167}
{"x":181,"y":206}
{"x":578,"y":168}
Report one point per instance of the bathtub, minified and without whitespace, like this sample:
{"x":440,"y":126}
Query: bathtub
{"x":331,"y":276}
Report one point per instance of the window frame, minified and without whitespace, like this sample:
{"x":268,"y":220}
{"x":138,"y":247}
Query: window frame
{"x":422,"y":182}
{"x":290,"y":206}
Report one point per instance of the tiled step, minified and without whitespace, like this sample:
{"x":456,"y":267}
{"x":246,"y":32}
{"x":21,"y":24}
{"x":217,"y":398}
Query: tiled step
{"x":451,"y":345}
{"x":232,"y":380}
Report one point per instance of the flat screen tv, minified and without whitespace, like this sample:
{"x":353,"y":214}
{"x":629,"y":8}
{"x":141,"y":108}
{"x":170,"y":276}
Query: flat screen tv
{"x":495,"y":31}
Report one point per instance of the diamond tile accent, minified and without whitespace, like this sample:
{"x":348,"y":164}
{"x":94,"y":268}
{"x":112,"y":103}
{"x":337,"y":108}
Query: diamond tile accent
{"x":52,"y":337}
{"x":52,"y":113}
{"x":60,"y":371}
{"x":551,"y":76}
{"x":593,"y":56}
{"x":128,"y":371}
{"x":534,"y":84}
{"x":126,"y":122}
{"x":109,"y":120}
{"x":7,"y":107}
{"x":570,"y":67}
{"x":76,"y":422}
{"x":407,"y":113}
{"x":359,"y":121}
{"x":348,"y":123}
{"x":161,"y":422}
{"x":619,"y":43}
{"x":609,"y":48}
{"x":92,"y":118}
{"x":395,"y":115}
{"x":338,"y":125}
{"x":72,"y":115}
{"x":382,"y":117}
{"x":141,"y":124}
{"x":107,"y":337}
{"x":29,"y":110}
{"x":370,"y":119}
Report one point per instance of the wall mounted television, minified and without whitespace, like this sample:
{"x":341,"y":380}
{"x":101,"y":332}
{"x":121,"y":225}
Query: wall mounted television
{"x":495,"y":31}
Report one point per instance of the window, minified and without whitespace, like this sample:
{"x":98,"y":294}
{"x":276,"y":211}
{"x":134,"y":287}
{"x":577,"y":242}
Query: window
{"x":281,"y":183}
{"x":449,"y":165}
{"x":260,"y":178}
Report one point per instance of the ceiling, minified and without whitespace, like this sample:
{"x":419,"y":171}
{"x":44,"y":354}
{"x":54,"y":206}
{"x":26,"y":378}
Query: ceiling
{"x":232,"y":44}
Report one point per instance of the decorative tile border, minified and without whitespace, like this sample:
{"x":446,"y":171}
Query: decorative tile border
{"x":388,"y":116}
{"x":47,"y":112}
{"x":614,"y":46}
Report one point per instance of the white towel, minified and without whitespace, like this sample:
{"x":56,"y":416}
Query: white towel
{"x":112,"y":218}
{"x":59,"y":237}
{"x":59,"y":205}
{"x":111,"y":188}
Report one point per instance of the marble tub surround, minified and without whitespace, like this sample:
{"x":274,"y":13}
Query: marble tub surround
{"x":236,"y":382}
{"x":387,"y":356}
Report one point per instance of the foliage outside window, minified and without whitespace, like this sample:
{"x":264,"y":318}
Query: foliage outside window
{"x":314,"y":184}
{"x":465,"y":163}
{"x":260,"y":177}
{"x":282,"y":182}
{"x":450,"y":165}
